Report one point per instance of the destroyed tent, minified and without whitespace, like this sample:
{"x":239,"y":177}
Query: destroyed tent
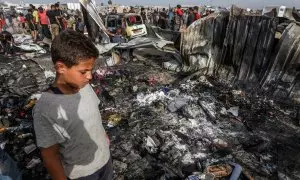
{"x":242,"y":49}
{"x":153,"y":39}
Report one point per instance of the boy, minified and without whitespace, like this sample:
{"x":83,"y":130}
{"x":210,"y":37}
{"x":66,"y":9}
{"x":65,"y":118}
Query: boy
{"x":67,"y":120}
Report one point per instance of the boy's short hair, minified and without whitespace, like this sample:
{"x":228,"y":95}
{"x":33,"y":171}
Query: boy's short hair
{"x":71,"y":47}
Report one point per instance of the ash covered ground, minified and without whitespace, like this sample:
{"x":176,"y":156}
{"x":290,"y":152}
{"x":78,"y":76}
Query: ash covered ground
{"x":162,"y":125}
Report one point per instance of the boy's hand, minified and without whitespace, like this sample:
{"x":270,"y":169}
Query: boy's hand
{"x":52,"y":162}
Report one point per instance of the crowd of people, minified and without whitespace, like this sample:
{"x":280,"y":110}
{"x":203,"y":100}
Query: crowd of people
{"x":172,"y":18}
{"x":49,"y":21}
{"x":41,"y":22}
{"x":175,"y":18}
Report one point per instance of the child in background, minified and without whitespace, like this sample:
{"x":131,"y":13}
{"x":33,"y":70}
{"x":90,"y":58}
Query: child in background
{"x":80,"y":26}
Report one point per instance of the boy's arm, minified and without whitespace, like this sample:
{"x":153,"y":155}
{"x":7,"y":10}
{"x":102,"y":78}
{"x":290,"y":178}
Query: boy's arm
{"x":52,"y":162}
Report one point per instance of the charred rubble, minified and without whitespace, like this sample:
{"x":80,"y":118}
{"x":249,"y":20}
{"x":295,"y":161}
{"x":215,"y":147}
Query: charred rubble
{"x":170,"y":130}
{"x":229,"y":104}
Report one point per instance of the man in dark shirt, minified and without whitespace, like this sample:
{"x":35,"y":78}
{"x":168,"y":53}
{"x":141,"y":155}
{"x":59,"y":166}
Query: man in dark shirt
{"x":162,"y":21}
{"x":52,"y":15}
{"x":191,"y":17}
{"x":59,"y":16}
{"x":31,"y":24}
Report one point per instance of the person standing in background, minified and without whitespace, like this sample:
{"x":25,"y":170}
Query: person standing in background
{"x":22,"y":22}
{"x":30,"y":23}
{"x":162,"y":21}
{"x":178,"y":18}
{"x":80,"y":26}
{"x":44,"y":22}
{"x":191,"y":17}
{"x":14,"y":24}
{"x":59,"y":16}
{"x":144,"y":15}
{"x":170,"y":18}
{"x":2,"y":22}
{"x":196,"y":13}
{"x":36,"y":20}
{"x":53,"y":21}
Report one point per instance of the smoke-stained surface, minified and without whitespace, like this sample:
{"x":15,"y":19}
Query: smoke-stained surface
{"x":242,"y":49}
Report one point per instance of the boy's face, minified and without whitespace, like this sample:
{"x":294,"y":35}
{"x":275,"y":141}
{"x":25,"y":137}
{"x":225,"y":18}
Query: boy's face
{"x":78,"y":75}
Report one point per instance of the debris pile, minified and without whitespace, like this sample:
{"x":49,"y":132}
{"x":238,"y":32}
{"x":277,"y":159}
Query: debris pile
{"x":18,"y":147}
{"x":25,"y":43}
{"x":176,"y":129}
{"x":20,"y":79}
{"x":168,"y":125}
